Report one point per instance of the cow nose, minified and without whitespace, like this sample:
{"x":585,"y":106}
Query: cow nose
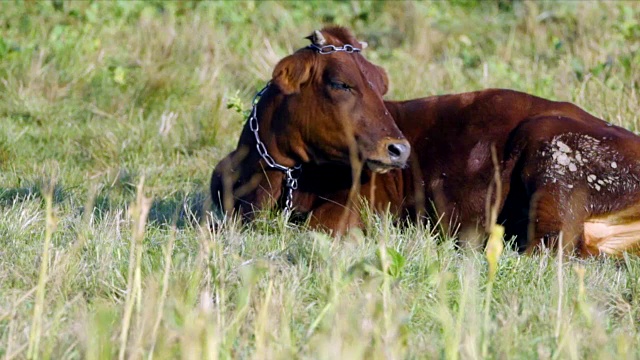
{"x":398,"y":151}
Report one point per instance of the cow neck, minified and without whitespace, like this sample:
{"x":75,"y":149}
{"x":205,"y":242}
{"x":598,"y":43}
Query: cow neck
{"x":291,"y":174}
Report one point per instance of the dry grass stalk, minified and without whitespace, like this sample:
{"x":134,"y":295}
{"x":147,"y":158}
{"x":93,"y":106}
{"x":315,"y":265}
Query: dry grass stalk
{"x":139,"y":212}
{"x":38,"y":308}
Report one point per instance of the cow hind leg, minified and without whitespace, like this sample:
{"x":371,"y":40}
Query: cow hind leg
{"x":555,"y":217}
{"x":554,"y":212}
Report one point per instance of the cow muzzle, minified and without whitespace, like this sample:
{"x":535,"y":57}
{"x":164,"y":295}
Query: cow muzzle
{"x":390,"y":154}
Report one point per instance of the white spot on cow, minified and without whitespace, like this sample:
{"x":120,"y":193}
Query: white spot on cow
{"x":563,"y":147}
{"x":571,"y":159}
{"x":563,"y":159}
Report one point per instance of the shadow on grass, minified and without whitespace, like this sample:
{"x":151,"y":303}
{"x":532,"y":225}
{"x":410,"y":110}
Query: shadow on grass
{"x":34,"y":190}
{"x":181,"y":208}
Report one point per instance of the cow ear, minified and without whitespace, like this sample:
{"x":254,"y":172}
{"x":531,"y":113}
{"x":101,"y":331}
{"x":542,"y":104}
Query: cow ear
{"x":291,"y":72}
{"x":384,"y":80}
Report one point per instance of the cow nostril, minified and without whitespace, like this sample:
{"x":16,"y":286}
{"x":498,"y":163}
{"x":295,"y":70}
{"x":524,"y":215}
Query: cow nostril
{"x":396,"y":150}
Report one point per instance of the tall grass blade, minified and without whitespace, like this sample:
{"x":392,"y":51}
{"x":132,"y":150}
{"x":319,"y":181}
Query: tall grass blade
{"x":38,"y":309}
{"x":139,"y":212}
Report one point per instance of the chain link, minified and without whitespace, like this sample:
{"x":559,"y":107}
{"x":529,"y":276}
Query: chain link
{"x":330,"y":49}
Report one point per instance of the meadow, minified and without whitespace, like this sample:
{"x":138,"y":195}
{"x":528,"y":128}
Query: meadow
{"x":113,"y":114}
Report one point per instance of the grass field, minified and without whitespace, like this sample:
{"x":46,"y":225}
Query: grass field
{"x":113,"y":114}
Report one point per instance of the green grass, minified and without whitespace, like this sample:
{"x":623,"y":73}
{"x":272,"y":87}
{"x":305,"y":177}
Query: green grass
{"x":96,"y":96}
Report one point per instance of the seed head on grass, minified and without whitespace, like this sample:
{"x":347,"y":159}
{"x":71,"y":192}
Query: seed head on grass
{"x":494,"y":248}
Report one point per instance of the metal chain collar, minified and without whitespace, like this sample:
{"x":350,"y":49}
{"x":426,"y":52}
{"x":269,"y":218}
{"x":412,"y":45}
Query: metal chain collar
{"x":330,"y":49}
{"x":291,"y":180}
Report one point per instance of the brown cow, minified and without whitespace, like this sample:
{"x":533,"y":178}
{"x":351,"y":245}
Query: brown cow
{"x":323,"y":105}
{"x":555,"y":168}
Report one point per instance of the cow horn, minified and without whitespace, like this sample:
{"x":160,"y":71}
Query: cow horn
{"x":317,"y":38}
{"x":363,"y":44}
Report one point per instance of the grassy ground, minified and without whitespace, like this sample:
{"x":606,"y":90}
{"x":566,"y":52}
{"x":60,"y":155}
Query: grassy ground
{"x":96,"y":97}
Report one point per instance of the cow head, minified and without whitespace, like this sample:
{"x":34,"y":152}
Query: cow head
{"x":319,"y":108}
{"x":333,"y":104}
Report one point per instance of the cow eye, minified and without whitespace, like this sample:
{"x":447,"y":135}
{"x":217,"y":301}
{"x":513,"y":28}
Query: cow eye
{"x":339,"y":85}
